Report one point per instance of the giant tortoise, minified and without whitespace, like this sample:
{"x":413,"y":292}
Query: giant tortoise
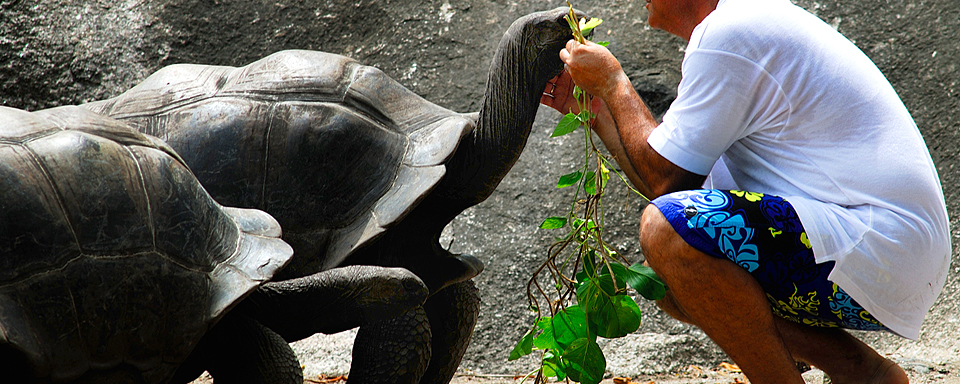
{"x":115,"y":262}
{"x":117,"y":267}
{"x":357,"y":169}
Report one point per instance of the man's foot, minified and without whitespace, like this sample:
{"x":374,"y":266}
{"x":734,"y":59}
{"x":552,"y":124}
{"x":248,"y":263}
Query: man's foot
{"x":889,"y":373}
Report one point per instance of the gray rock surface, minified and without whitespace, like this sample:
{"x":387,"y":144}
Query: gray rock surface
{"x":56,"y":52}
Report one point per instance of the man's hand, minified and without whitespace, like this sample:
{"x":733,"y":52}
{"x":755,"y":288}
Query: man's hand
{"x":623,"y":121}
{"x":599,"y":69}
{"x":593,"y":68}
{"x":558,"y":94}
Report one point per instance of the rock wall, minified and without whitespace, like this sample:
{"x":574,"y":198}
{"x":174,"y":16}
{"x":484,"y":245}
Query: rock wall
{"x":56,"y":52}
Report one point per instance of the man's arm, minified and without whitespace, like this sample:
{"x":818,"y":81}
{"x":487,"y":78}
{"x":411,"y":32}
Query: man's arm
{"x":623,"y":121}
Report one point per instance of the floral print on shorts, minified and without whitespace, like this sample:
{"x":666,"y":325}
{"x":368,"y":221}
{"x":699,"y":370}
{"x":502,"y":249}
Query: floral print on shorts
{"x":763,"y":234}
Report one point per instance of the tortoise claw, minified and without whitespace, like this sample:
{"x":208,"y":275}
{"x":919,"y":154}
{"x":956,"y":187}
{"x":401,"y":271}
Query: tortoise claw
{"x":450,"y":270}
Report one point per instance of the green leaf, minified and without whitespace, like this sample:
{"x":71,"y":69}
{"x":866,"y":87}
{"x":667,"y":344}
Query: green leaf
{"x":567,"y":124}
{"x":553,"y":366}
{"x":577,"y":222}
{"x":524,"y":347}
{"x":590,"y":183}
{"x":607,"y":282}
{"x":569,"y":179}
{"x":592,"y":299}
{"x":553,"y":222}
{"x":620,"y":316}
{"x":645,"y":281}
{"x":603,"y":43}
{"x":584,"y":361}
{"x":590,"y":263}
{"x":591,"y":296}
{"x":610,"y":313}
{"x":586,"y":225}
{"x":586,"y":26}
{"x":585,"y":116}
{"x":589,"y":268}
{"x":581,"y":277}
{"x":570,"y":324}
{"x":545,"y":340}
{"x":621,"y":274}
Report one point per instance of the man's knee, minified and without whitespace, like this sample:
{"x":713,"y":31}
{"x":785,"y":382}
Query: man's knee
{"x":655,"y":232}
{"x":663,"y":247}
{"x":650,"y":218}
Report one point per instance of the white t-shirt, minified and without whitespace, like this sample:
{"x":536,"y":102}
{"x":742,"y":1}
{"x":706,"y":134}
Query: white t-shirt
{"x":792,"y":108}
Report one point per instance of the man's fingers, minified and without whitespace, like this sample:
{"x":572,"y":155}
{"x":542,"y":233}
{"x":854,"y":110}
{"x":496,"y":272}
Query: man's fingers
{"x":564,"y":55}
{"x":551,"y":88}
{"x":548,"y":96}
{"x":546,"y":100}
{"x":565,"y":52}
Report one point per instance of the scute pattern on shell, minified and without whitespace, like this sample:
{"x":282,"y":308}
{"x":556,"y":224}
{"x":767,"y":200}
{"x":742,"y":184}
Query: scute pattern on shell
{"x":376,"y":148}
{"x":112,"y":256}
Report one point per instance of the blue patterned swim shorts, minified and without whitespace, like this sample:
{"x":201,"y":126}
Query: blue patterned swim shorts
{"x":763,"y":234}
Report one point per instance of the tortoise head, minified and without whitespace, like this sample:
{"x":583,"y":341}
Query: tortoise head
{"x":527,"y":57}
{"x":542,"y":35}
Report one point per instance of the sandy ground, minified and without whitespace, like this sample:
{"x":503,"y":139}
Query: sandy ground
{"x":701,"y":375}
{"x":919,"y":373}
{"x":327,"y":357}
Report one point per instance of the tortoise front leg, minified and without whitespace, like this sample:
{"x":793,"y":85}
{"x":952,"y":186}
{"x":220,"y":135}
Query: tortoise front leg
{"x":453,"y":314}
{"x":393,"y":342}
{"x":393,"y":350}
{"x":335,"y":300}
{"x":239,"y":350}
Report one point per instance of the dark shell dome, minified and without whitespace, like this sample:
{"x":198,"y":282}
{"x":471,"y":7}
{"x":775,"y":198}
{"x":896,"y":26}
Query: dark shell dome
{"x":112,"y":256}
{"x":367,"y":148}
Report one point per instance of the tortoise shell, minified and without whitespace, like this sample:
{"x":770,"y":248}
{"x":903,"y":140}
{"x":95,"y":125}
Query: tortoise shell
{"x":367,"y":148}
{"x":114,"y":261}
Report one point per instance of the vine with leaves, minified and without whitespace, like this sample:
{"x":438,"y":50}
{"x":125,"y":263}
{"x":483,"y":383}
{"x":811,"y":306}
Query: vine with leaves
{"x":589,"y":281}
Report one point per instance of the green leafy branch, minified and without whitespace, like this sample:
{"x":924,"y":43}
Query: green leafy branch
{"x":589,"y":279}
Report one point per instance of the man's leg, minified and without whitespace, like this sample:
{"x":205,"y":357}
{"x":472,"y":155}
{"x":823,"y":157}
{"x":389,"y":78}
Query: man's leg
{"x":722,"y":299}
{"x":843,"y":357}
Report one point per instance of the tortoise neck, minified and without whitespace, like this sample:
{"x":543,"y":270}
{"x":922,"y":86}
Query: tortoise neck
{"x":510,"y":104}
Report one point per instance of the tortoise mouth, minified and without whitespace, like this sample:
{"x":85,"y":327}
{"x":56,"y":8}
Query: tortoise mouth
{"x":562,"y":43}
{"x":555,"y":72}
